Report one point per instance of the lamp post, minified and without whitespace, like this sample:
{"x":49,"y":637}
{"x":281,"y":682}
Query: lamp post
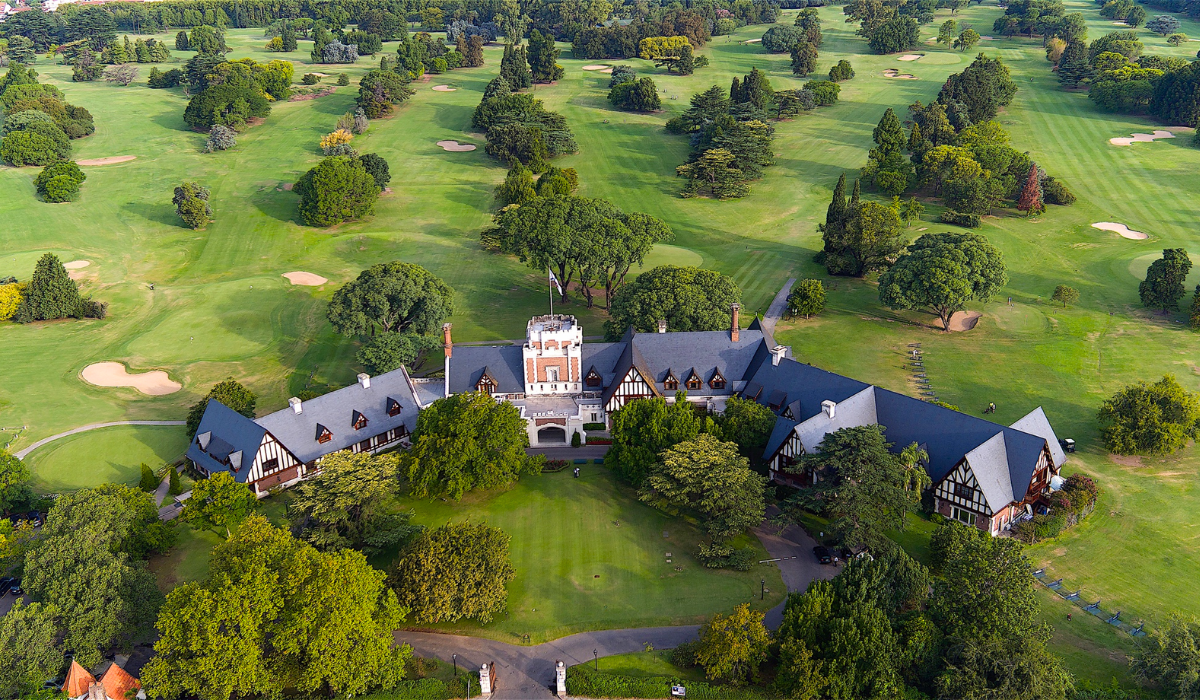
{"x":454,"y":657}
{"x":596,"y":654}
{"x":763,"y":593}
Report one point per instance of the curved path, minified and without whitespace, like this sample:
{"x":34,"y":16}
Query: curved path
{"x":94,"y":426}
{"x":778,"y":306}
{"x":528,"y":671}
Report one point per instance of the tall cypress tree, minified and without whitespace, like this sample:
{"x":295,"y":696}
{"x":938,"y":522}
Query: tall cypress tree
{"x":1030,"y":200}
{"x":514,"y":68}
{"x":51,"y":293}
{"x":735,"y":91}
{"x":853,"y":199}
{"x":836,"y":213}
{"x":756,"y":89}
{"x":889,"y":136}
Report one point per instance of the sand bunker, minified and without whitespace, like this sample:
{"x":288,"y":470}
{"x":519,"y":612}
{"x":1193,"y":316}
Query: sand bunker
{"x":962,"y":320}
{"x":911,"y":57}
{"x":443,"y":88}
{"x":607,"y":70}
{"x":893,"y":73}
{"x":305,"y":279}
{"x":154,"y":383}
{"x":1141,"y":138}
{"x":595,"y":66}
{"x":1121,"y":229}
{"x":456,"y":146}
{"x":77,"y":264}
{"x":988,"y":38}
{"x":105,"y":161}
{"x":752,"y":41}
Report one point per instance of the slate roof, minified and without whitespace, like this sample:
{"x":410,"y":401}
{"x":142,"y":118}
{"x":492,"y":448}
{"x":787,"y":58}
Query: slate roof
{"x":854,"y":412}
{"x":335,"y":411}
{"x":802,"y":383}
{"x":989,"y":464}
{"x":779,"y":435}
{"x":1036,"y":423}
{"x":502,"y":362}
{"x":603,"y":357}
{"x":225,"y":432}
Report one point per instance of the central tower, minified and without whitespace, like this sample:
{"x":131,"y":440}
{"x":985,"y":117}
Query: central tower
{"x":552,"y":354}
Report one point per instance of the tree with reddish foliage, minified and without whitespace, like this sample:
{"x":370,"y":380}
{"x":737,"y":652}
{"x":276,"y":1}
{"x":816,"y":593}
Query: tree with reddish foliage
{"x":1031,"y":193}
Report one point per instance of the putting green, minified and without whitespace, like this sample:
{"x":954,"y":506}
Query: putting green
{"x":663,"y":254}
{"x":1139,"y":265}
{"x":105,"y":455}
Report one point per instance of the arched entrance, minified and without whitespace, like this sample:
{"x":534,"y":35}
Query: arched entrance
{"x":552,"y":435}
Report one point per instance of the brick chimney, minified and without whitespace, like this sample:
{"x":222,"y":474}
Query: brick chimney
{"x":662,"y":325}
{"x":734,"y":326}
{"x":446,"y":338}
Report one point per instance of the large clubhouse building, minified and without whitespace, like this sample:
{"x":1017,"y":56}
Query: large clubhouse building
{"x":984,"y":474}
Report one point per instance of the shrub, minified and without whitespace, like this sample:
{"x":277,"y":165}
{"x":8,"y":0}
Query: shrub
{"x":377,"y":167}
{"x":275,"y":44}
{"x":310,"y":79}
{"x":59,"y":182}
{"x":960,"y":219}
{"x":10,"y":299}
{"x":638,"y":96}
{"x":191,"y":204}
{"x":38,"y":144}
{"x":337,"y":143}
{"x":169,"y":79}
{"x":338,"y":189}
{"x":717,"y":556}
{"x":343,"y":79}
{"x":825,"y":92}
{"x":842,"y":71}
{"x":220,"y":138}
{"x":576,"y":441}
{"x":1055,"y":192}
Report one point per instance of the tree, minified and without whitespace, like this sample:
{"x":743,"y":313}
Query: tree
{"x":517,"y":187}
{"x":86,"y":564}
{"x":946,"y":32}
{"x":711,"y":478}
{"x":733,"y":647}
{"x":514,"y":68}
{"x":642,"y":429}
{"x":181,"y":41}
{"x":638,"y":96}
{"x":894,"y":35}
{"x":1174,"y":100}
{"x":218,"y":501}
{"x":191,"y":205}
{"x":804,"y":58}
{"x":464,"y":442}
{"x":388,"y":351}
{"x":346,"y":504}
{"x":984,"y":87}
{"x":868,"y":238}
{"x":122,"y":74}
{"x":287,"y":38}
{"x":841,"y":71}
{"x":966,"y":40}
{"x":1065,"y":295}
{"x":472,"y":51}
{"x":392,"y":297}
{"x":1194,"y":315}
{"x":1030,"y":200}
{"x":1163,"y":286}
{"x":687,"y":298}
{"x":207,"y":40}
{"x":1155,"y":419}
{"x":220,"y":138}
{"x":59,"y":182}
{"x":274,"y":612}
{"x":806,"y":299}
{"x":542,"y":58}
{"x":36,"y":144}
{"x":747,"y":423}
{"x":862,"y":486}
{"x":338,"y":189}
{"x":51,"y":293}
{"x":1170,"y":658}
{"x":715,"y":171}
{"x":943,"y":271}
{"x":28,"y":650}
{"x":1136,"y":16}
{"x":230,"y":105}
{"x":14,"y":476}
{"x":1164,"y":24}
{"x":148,"y":482}
{"x":337,"y":52}
{"x":454,"y":572}
{"x":780,"y":38}
{"x":1074,"y":67}
{"x":379,"y":91}
{"x":229,"y":392}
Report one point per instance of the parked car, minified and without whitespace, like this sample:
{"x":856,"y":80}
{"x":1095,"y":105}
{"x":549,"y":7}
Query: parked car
{"x":16,"y":588}
{"x":823,"y":555}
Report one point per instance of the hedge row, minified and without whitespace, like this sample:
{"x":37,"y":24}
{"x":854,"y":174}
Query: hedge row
{"x":583,"y":681}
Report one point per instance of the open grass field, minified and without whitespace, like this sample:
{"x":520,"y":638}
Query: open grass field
{"x":107,"y":455}
{"x":220,"y":307}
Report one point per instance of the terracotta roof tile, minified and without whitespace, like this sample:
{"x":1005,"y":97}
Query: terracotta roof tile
{"x":117,"y":682}
{"x":78,"y":680}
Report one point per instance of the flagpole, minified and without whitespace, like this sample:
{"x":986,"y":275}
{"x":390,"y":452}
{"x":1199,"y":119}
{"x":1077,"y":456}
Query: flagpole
{"x":550,"y":288}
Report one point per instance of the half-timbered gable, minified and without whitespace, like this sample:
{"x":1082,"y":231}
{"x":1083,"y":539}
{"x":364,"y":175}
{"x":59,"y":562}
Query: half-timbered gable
{"x":783,"y":450}
{"x":670,"y":381}
{"x":487,"y":383}
{"x":963,"y":495}
{"x":631,"y":386}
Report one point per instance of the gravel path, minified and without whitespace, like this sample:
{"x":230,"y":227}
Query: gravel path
{"x":777,"y":307}
{"x":94,"y":426}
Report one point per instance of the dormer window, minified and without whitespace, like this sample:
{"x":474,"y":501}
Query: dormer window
{"x":486,"y":384}
{"x":593,"y":378}
{"x":323,"y":434}
{"x":671,"y":383}
{"x":717,"y":381}
{"x":358,"y":421}
{"x":693,"y":381}
{"x":203,"y":439}
{"x":393,"y":407}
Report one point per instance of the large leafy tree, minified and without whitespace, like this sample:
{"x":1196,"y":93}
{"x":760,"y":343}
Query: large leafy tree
{"x":229,"y":392}
{"x":863,"y":485}
{"x":272,"y":613}
{"x":337,"y":189}
{"x":391,"y":297}
{"x":748,"y":424}
{"x":388,"y":351}
{"x":943,"y":271}
{"x":349,"y":503}
{"x":709,"y":477}
{"x":51,"y":293}
{"x":1156,"y":418}
{"x":1171,"y":658}
{"x":542,"y":58}
{"x":984,"y":87}
{"x":29,"y":652}
{"x":867,"y":238}
{"x":464,"y":442}
{"x":218,"y":502}
{"x":688,"y":298}
{"x":732,"y":647}
{"x":642,"y":429}
{"x":1163,"y":286}
{"x":86,"y":564}
{"x":14,"y":478}
{"x":379,"y":91}
{"x":454,"y":572}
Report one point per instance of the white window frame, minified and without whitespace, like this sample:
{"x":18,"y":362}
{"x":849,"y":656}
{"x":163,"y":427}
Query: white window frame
{"x":958,"y":513}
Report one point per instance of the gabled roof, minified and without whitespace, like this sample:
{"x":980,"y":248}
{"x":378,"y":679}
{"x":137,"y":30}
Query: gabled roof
{"x":854,"y":412}
{"x":1036,"y":423}
{"x":298,"y":431}
{"x":229,"y":433}
{"x":779,"y":435}
{"x":117,"y":683}
{"x":699,"y":352}
{"x":802,"y":384}
{"x":78,"y":680}
{"x":989,"y":464}
{"x":603,"y":358}
{"x":503,"y":363}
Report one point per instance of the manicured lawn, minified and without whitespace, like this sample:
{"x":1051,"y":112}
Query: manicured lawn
{"x":106,"y":455}
{"x":588,"y":556}
{"x":646,"y":664}
{"x":188,"y":559}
